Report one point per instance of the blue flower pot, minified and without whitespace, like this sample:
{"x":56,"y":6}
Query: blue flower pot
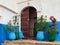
{"x":12,"y":36}
{"x":40,"y":35}
{"x":21,"y":35}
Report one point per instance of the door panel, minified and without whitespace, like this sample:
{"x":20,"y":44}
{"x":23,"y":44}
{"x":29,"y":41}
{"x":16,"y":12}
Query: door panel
{"x":31,"y":27}
{"x":25,"y":22}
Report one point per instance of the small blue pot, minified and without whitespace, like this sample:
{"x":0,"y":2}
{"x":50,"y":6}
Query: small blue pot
{"x":21,"y":35}
{"x":12,"y":36}
{"x":40,"y":35}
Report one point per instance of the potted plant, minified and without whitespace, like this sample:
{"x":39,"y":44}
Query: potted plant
{"x":10,"y":31}
{"x":13,"y":27}
{"x":15,"y":23}
{"x":52,"y":29}
{"x":39,"y":25}
{"x":19,"y":35}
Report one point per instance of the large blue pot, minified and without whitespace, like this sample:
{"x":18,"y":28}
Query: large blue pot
{"x":40,"y":35}
{"x":12,"y":36}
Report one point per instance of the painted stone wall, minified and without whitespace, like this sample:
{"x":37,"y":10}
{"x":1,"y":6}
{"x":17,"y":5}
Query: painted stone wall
{"x":6,"y":15}
{"x":10,"y":4}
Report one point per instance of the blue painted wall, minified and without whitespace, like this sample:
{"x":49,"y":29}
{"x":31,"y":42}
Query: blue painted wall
{"x":4,"y":36}
{"x":4,"y":33}
{"x":58,"y":29}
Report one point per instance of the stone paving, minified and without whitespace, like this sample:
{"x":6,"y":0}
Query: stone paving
{"x":30,"y":42}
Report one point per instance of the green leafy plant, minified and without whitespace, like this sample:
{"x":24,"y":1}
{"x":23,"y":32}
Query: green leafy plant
{"x":15,"y":23}
{"x":40,"y":23}
{"x":9,"y":27}
{"x":52,"y":30}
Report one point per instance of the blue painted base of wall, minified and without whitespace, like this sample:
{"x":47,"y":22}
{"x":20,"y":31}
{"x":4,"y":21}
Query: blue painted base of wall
{"x":4,"y":37}
{"x":58,"y":29}
{"x":4,"y":33}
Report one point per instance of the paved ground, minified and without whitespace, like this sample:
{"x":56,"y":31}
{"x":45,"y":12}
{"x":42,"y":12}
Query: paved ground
{"x":30,"y":42}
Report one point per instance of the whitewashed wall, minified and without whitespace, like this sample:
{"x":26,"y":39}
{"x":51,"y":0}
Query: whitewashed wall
{"x":11,"y":4}
{"x":51,"y":7}
{"x":6,"y":15}
{"x":47,"y":7}
{"x":32,"y":3}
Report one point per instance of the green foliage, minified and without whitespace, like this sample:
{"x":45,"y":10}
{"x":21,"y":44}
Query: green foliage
{"x":40,"y":23}
{"x":51,"y":30}
{"x":9,"y":27}
{"x":15,"y":20}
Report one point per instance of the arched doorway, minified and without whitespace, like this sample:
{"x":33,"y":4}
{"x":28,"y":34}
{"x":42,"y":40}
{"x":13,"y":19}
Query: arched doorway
{"x":28,"y":15}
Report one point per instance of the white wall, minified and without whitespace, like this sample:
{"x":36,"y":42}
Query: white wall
{"x":33,"y":3}
{"x":47,"y":7}
{"x":6,"y":15}
{"x":10,"y":4}
{"x":51,"y":7}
